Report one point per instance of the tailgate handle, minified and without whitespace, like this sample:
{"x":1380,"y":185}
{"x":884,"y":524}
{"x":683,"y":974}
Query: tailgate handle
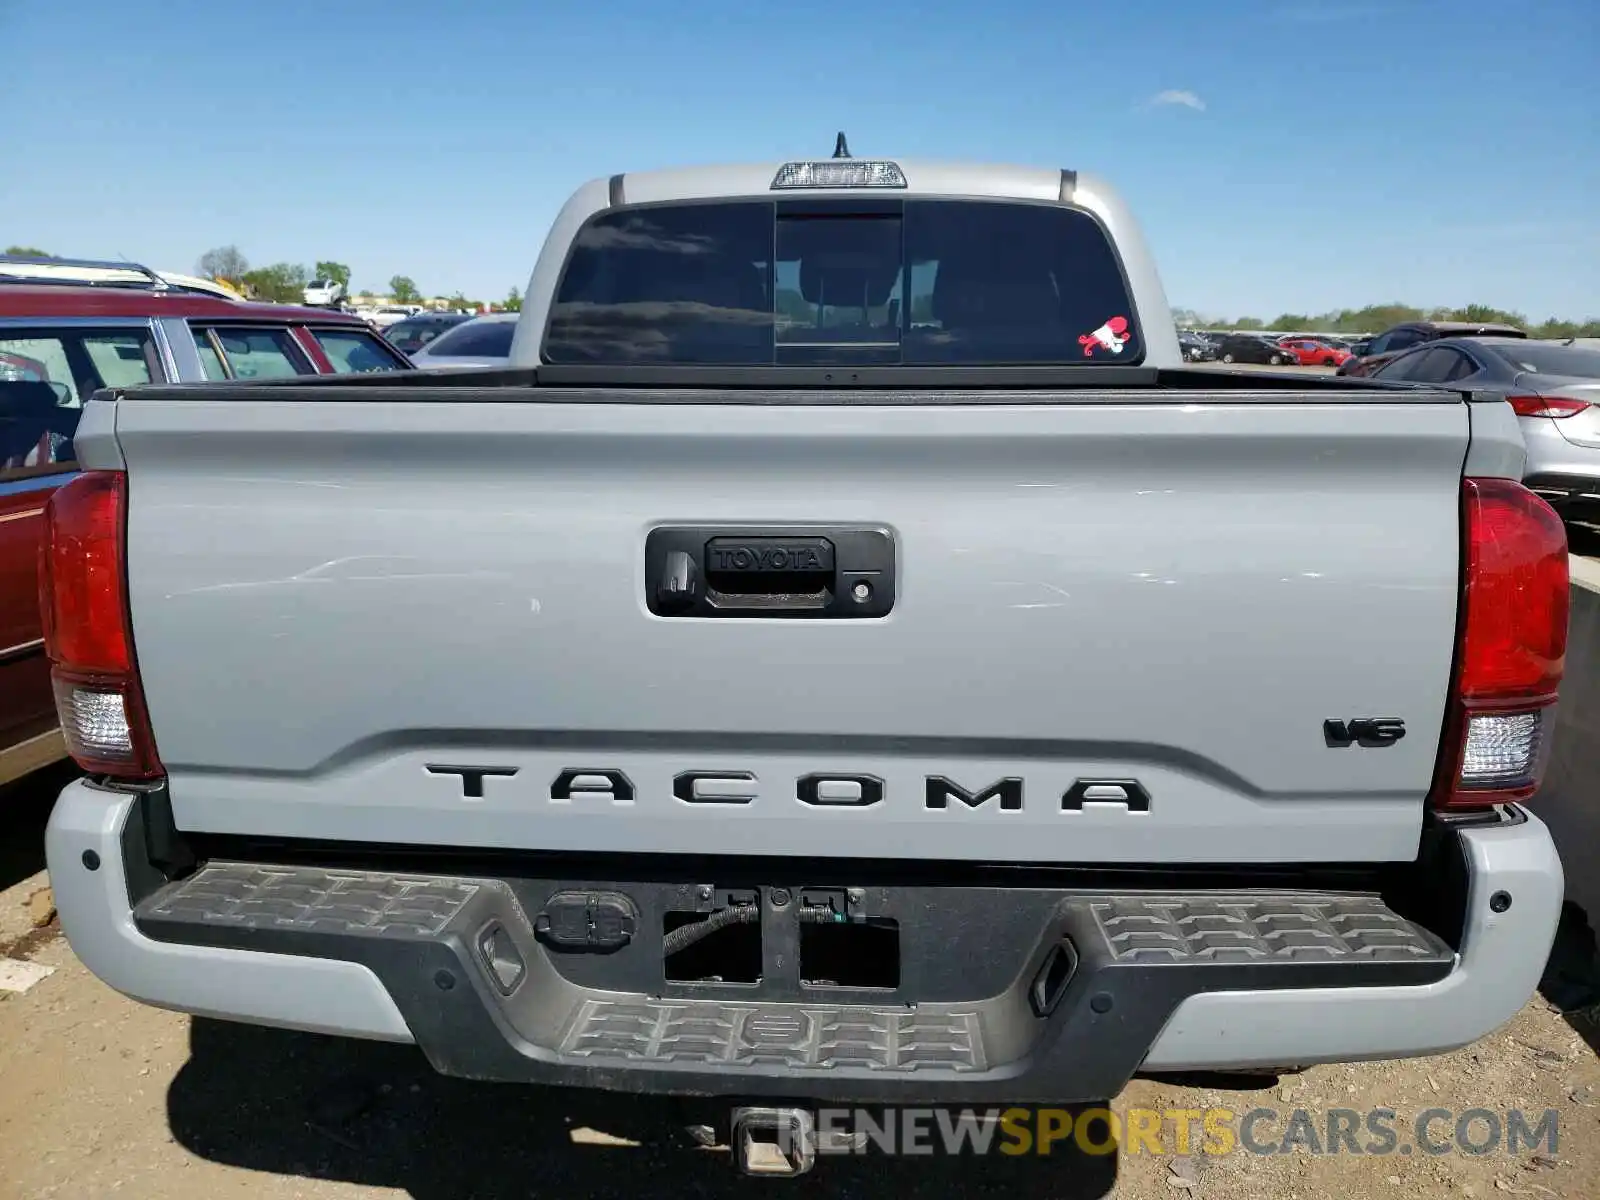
{"x":769,"y":572}
{"x":721,"y":571}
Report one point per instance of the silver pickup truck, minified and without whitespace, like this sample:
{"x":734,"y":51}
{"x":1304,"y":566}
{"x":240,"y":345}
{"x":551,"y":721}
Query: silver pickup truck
{"x":846,"y":656}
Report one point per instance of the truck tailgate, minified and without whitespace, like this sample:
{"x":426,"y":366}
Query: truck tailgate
{"x":332,"y":596}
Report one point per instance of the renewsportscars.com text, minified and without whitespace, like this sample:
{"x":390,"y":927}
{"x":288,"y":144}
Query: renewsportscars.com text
{"x":1178,"y":1131}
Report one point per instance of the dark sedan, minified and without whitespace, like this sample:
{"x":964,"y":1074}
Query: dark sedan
{"x":1196,"y":348}
{"x":1414,"y":333}
{"x":1553,"y":387}
{"x":413,"y":333}
{"x":1253,"y":348}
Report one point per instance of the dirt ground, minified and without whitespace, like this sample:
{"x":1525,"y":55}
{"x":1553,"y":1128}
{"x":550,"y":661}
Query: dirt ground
{"x":100,"y":1096}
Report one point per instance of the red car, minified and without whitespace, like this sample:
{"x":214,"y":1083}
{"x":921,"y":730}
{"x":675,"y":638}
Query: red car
{"x":1311,"y":353}
{"x":60,"y":342}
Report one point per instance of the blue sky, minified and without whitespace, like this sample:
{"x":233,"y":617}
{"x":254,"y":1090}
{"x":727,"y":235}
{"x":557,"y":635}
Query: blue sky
{"x":1282,"y":154}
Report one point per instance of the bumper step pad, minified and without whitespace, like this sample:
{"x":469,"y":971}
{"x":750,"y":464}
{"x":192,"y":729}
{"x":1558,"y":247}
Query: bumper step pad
{"x":1285,"y":927}
{"x":813,"y":1037}
{"x":311,"y":899}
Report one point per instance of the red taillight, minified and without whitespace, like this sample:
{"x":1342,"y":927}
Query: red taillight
{"x":83,"y":599}
{"x":1512,"y":647}
{"x":1546,"y":406}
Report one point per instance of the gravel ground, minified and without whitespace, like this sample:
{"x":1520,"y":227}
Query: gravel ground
{"x":100,"y":1096}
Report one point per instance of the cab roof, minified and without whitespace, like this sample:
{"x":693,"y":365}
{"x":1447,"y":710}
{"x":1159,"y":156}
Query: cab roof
{"x":922,"y":177}
{"x":68,"y":300}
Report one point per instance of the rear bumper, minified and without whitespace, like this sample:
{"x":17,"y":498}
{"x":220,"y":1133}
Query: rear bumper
{"x":1160,"y":982}
{"x":1575,"y":497}
{"x":1563,"y":472}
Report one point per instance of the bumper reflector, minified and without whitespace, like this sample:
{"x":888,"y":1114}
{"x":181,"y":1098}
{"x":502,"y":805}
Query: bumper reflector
{"x":499,"y":954}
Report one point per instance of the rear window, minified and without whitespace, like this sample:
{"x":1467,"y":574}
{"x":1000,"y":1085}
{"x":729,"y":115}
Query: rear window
{"x":1546,"y":359}
{"x":914,"y":282}
{"x":488,"y":339}
{"x":408,"y":335}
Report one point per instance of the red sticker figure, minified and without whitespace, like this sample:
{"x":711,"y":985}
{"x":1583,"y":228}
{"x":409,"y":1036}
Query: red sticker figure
{"x":1113,"y":335}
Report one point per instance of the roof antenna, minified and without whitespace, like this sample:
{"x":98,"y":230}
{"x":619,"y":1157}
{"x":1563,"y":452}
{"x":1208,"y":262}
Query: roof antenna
{"x":841,"y":148}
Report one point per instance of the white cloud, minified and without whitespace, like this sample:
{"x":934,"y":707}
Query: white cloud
{"x":1173,"y":96}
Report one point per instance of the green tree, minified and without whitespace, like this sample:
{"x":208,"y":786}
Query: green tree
{"x":1489,"y":316}
{"x":281,"y":283}
{"x":28,"y":252}
{"x":1375,"y":318}
{"x":1382,"y":316}
{"x":223,"y":262}
{"x":512,"y":302}
{"x":335,"y":271}
{"x":403,"y":289}
{"x":1557,"y":328}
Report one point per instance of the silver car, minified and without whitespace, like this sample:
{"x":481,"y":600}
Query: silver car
{"x":481,"y":342}
{"x":1554,"y":388}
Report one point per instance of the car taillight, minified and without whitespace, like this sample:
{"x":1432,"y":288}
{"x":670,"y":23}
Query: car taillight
{"x":1546,"y":406}
{"x":83,"y":598}
{"x":1511,"y":648}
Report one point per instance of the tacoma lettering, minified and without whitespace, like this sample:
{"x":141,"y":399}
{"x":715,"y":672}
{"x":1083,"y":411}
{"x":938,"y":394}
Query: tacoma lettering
{"x":839,"y":791}
{"x":591,"y":781}
{"x":939,"y":790}
{"x":723,"y":787}
{"x":471,"y":777}
{"x":826,"y":789}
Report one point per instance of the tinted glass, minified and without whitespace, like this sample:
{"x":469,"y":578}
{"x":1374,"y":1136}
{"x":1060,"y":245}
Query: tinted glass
{"x":486,"y":339}
{"x":1432,"y":366}
{"x":407,"y":335}
{"x":875,"y":281}
{"x":1401,"y":338}
{"x":45,"y":377}
{"x":412,"y":334}
{"x":256,"y":353}
{"x":1547,"y":358}
{"x":355,"y":353}
{"x":1400,"y":367}
{"x":1455,"y":365}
